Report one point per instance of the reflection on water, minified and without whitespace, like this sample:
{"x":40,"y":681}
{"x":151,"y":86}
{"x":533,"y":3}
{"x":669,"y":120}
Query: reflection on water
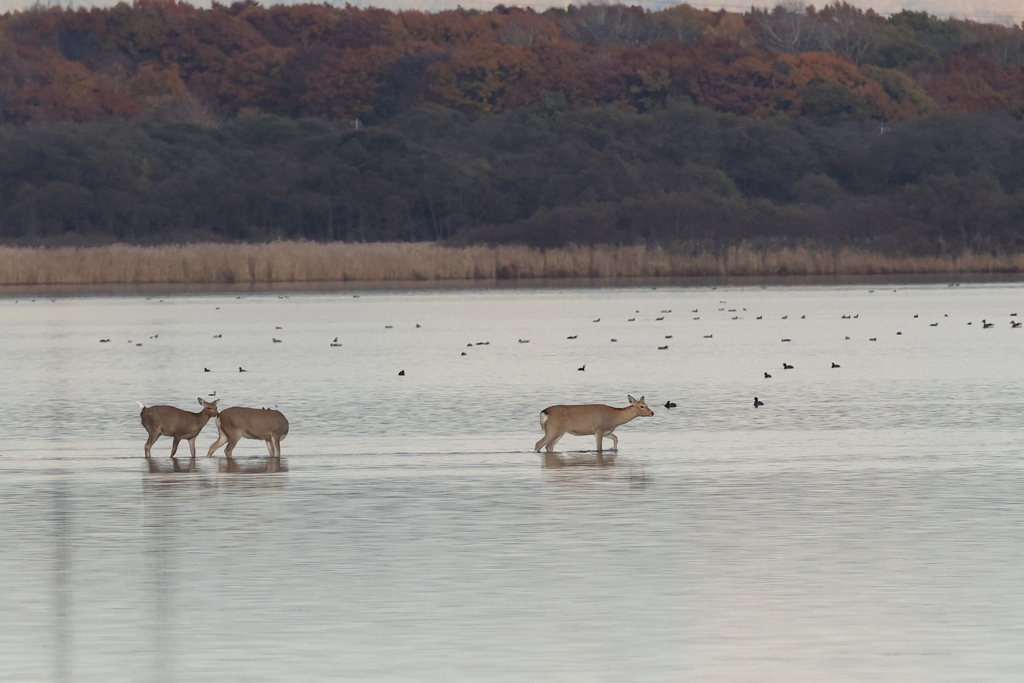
{"x":252,"y":465}
{"x":866,"y":523}
{"x":554,"y":461}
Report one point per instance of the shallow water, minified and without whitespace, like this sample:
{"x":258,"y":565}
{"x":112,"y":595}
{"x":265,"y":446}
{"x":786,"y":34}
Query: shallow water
{"x":867,"y":523}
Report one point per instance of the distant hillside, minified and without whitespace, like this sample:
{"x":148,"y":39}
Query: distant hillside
{"x":169,"y":60}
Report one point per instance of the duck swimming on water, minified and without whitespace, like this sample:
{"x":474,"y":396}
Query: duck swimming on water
{"x":757,"y":402}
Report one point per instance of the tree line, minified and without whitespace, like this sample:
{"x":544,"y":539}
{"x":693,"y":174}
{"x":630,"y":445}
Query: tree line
{"x":169,"y":59}
{"x":678,"y":175}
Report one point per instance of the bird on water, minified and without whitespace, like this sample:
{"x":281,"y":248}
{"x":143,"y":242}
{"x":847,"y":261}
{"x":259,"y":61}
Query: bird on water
{"x":757,"y":402}
{"x":670,"y":404}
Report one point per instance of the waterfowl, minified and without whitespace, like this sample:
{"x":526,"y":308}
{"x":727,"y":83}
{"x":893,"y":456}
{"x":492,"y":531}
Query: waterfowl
{"x":463,"y":353}
{"x":276,"y":340}
{"x":1015,"y":324}
{"x":662,"y":348}
{"x":524,"y":341}
{"x":104,"y":341}
{"x":670,"y":404}
{"x":334,"y":344}
{"x":417,"y":326}
{"x":767,"y":376}
{"x":759,"y":317}
{"x":985,"y":325}
{"x":206,"y":369}
{"x":401,"y":373}
{"x":217,"y":336}
{"x":786,"y":340}
{"x":708,"y":336}
{"x":598,"y":320}
{"x":572,"y":337}
{"x":934,"y":325}
{"x":873,"y":339}
{"x":784,"y":317}
{"x":582,"y":368}
{"x":757,"y":402}
{"x":241,"y":369}
{"x":631,"y":320}
{"x":787,"y":366}
{"x":661,"y":318}
{"x":834,"y":365}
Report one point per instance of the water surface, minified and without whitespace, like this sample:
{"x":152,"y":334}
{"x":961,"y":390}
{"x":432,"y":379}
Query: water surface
{"x":865,"y":524}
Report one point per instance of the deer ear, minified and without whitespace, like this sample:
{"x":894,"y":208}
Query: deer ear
{"x":631,"y":399}
{"x":641,"y":399}
{"x":201,"y":401}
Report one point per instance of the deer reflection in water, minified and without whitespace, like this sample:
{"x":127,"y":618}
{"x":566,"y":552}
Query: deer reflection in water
{"x":553,"y":461}
{"x":635,"y":474}
{"x":176,"y":466}
{"x":252,"y":465}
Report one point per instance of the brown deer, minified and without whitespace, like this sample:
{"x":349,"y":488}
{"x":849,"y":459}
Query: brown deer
{"x":251,"y":423}
{"x":598,"y":420}
{"x":177,"y":423}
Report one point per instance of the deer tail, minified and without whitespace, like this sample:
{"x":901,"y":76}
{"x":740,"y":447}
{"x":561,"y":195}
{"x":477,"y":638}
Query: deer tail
{"x":141,"y":404}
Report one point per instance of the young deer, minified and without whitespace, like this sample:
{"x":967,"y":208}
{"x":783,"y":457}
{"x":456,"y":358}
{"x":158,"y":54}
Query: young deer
{"x":598,"y":420}
{"x":251,"y":423}
{"x":175,"y":422}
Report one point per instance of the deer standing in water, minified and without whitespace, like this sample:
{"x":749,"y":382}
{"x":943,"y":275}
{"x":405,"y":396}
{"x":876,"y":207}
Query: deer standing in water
{"x":175,"y":422}
{"x":598,"y":420}
{"x":251,"y":423}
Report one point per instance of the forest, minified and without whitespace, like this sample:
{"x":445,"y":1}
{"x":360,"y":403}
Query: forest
{"x":159,"y":122}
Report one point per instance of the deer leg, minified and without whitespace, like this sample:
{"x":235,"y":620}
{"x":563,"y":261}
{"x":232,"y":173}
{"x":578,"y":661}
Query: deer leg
{"x":553,"y":441}
{"x":270,"y":446}
{"x":231,"y":447}
{"x":600,"y":438}
{"x":221,"y":440}
{"x":150,"y":441}
{"x":192,"y":446}
{"x":615,"y":441}
{"x":277,"y":446}
{"x":174,"y":446}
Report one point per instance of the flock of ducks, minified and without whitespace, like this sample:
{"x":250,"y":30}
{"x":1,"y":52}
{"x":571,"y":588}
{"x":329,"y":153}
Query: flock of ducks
{"x":985,"y":324}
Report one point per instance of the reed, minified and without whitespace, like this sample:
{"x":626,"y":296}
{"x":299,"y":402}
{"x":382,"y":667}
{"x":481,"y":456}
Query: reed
{"x":292,"y":262}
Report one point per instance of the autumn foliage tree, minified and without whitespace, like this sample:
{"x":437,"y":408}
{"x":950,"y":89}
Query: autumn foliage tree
{"x":833,"y":64}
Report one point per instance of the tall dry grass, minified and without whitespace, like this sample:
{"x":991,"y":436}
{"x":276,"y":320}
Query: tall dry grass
{"x":291,"y":262}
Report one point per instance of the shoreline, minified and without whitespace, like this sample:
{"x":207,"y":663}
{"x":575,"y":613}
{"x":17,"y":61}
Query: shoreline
{"x":171,"y":289}
{"x":310,"y":266}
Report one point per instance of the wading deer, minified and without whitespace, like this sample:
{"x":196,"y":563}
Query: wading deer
{"x":598,"y":420}
{"x":175,"y":422}
{"x":264,"y":424}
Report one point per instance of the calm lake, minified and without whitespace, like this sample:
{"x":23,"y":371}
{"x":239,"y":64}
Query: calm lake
{"x":865,"y":524}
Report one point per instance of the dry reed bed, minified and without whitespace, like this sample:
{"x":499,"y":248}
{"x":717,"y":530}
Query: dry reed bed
{"x":283,"y":262}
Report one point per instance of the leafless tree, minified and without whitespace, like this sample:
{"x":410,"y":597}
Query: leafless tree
{"x":848,"y":31}
{"x":785,"y":29}
{"x":521,"y":29}
{"x":601,"y":24}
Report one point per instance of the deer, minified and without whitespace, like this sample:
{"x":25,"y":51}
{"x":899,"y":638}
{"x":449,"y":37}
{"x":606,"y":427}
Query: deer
{"x":177,"y":423}
{"x":599,"y":420}
{"x":251,"y":423}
